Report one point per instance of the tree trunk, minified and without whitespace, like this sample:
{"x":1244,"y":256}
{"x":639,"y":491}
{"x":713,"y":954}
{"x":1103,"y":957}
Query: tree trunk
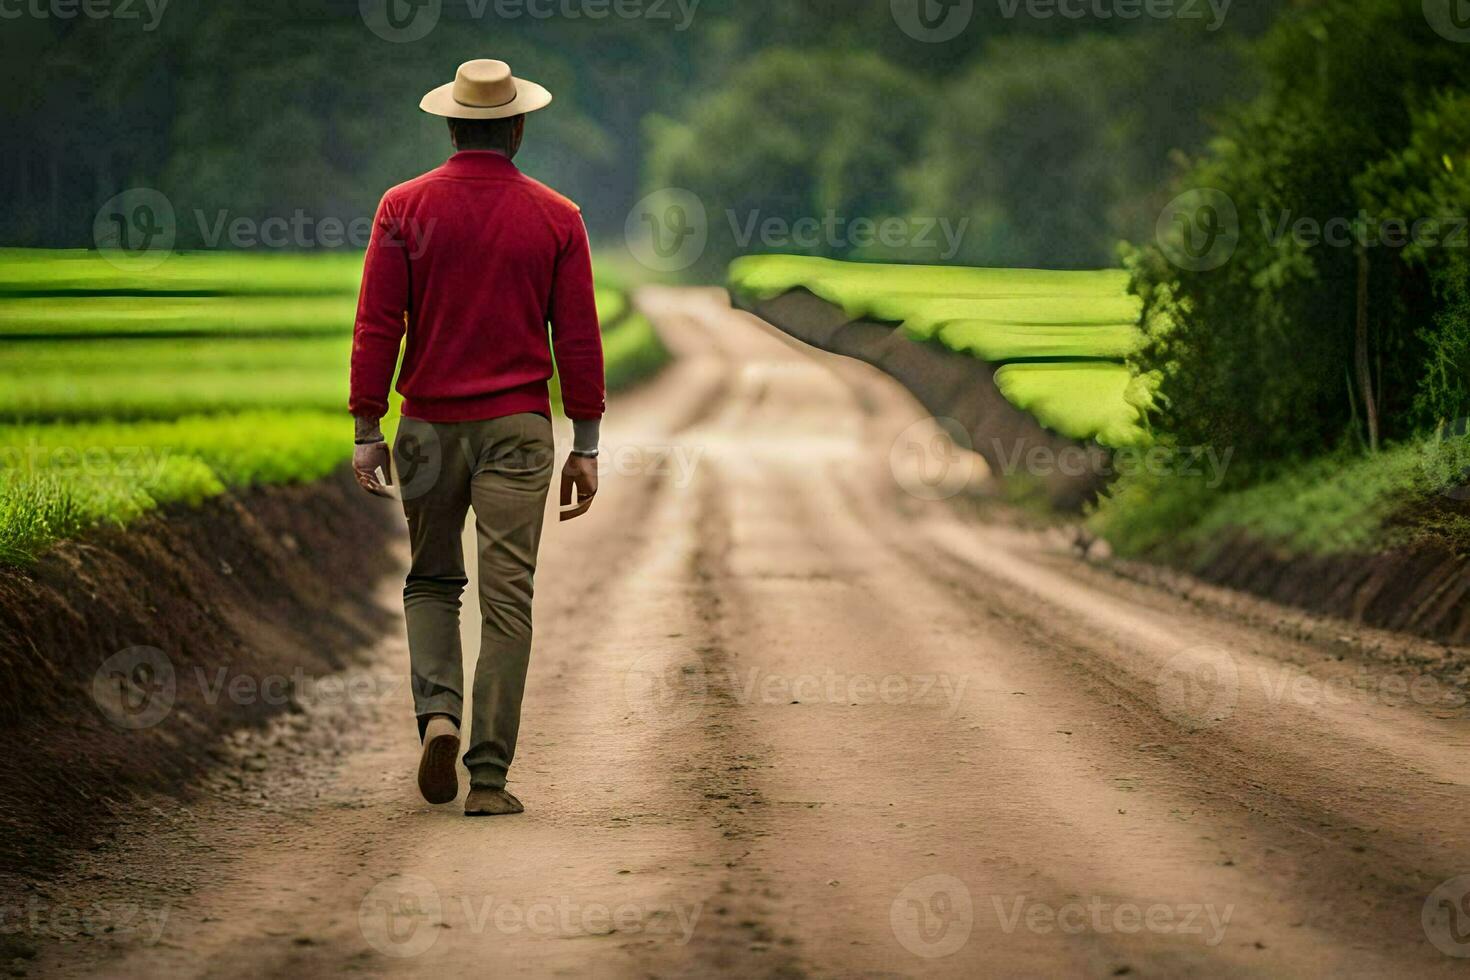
{"x":1360,"y":356}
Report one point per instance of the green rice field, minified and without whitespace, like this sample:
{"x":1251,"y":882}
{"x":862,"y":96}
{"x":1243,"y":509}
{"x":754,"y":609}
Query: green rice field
{"x":126,"y":390}
{"x":1059,"y":339}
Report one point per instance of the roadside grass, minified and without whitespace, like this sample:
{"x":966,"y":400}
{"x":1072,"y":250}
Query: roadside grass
{"x":1060,"y":338}
{"x":1344,"y":503}
{"x":57,"y":480}
{"x":166,"y":315}
{"x":143,"y":389}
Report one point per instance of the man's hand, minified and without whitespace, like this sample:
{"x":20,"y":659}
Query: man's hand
{"x":367,"y":461}
{"x":580,"y":475}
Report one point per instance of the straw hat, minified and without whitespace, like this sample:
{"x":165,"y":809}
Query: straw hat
{"x":485,"y":89}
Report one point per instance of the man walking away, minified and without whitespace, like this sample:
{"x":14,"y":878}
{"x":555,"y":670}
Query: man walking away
{"x":473,"y":260}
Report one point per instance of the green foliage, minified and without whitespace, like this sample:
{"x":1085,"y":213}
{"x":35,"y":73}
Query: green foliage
{"x":1079,"y":399}
{"x":1257,"y":354}
{"x":1078,"y":322}
{"x":96,"y":430}
{"x":1444,"y":390}
{"x":1429,"y":180}
{"x":102,"y":430}
{"x":633,"y":352}
{"x":164,"y":315}
{"x":1054,"y":151}
{"x":1339,"y":503}
{"x":792,"y":135}
{"x":262,"y":110}
{"x":71,"y":273}
{"x":128,"y":380}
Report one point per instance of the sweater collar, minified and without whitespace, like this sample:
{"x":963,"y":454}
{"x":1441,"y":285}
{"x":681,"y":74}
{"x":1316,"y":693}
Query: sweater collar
{"x":480,"y":163}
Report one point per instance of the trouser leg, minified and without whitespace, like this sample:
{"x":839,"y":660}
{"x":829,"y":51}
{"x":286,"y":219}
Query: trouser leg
{"x":508,"y":493}
{"x":436,"y":487}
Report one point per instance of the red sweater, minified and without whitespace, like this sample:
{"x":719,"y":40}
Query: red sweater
{"x":475,"y":258}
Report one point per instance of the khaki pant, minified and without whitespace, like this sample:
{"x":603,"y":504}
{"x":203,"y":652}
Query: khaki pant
{"x":502,"y":468}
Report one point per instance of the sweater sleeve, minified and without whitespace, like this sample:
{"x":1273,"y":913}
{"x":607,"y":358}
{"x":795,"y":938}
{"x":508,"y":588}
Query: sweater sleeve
{"x":382,"y":307}
{"x":576,"y":336}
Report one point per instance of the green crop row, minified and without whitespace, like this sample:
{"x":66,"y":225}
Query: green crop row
{"x":81,"y":294}
{"x":72,"y":273}
{"x":1060,"y":338}
{"x":135,"y":380}
{"x":133,"y":390}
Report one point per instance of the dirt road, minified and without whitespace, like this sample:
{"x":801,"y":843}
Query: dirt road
{"x":786,"y":718}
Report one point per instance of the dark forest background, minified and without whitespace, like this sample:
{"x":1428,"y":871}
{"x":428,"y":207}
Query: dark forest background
{"x":1054,"y":136}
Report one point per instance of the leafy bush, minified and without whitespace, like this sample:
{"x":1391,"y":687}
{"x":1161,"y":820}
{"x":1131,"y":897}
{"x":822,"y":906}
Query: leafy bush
{"x":1260,"y":354}
{"x":1430,"y":178}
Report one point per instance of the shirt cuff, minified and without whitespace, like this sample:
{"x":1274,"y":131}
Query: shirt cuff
{"x":585,"y":435}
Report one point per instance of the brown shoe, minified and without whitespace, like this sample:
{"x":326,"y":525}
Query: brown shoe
{"x":438,"y":775}
{"x":491,"y":803}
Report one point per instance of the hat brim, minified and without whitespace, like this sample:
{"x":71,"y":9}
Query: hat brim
{"x":529,"y":98}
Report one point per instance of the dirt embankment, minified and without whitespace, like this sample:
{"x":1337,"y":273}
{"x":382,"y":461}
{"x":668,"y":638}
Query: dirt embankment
{"x":124,"y":657}
{"x":1421,"y":589}
{"x":949,"y":386}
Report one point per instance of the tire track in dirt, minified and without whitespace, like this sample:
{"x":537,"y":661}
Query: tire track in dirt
{"x":866,"y":821}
